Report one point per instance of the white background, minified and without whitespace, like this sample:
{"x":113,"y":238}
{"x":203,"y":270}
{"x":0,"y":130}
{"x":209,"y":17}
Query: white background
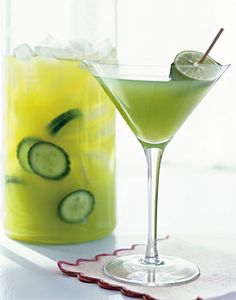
{"x":198,"y":189}
{"x":198,"y":179}
{"x":199,"y":167}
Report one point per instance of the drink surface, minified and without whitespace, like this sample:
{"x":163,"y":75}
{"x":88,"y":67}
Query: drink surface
{"x":153,"y":109}
{"x":38,"y":91}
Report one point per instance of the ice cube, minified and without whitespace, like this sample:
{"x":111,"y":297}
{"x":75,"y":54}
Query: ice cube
{"x":83,"y":47}
{"x":59,"y":53}
{"x":51,"y":47}
{"x":105,"y":48}
{"x":24,"y":51}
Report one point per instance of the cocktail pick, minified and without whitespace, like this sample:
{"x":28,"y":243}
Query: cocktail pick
{"x":211,"y":45}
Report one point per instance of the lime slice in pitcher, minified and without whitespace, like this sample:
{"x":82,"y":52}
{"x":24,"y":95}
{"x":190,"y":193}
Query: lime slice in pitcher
{"x":187,"y":64}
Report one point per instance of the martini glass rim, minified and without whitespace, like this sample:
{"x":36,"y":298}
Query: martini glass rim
{"x":116,"y":69}
{"x":142,"y":65}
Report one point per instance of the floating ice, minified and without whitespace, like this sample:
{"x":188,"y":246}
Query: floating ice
{"x":75,"y":50}
{"x":59,"y":53}
{"x":105,"y":48}
{"x":50,"y":47}
{"x":24,"y":51}
{"x":83,"y":47}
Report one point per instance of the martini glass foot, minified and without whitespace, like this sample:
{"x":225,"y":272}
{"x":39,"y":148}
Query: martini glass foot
{"x":169,"y":271}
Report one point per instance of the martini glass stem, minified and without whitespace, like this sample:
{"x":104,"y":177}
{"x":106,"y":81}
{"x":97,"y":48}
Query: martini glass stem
{"x":153,"y":157}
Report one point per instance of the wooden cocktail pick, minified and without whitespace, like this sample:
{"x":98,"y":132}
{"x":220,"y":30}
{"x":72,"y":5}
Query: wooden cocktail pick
{"x":211,"y":45}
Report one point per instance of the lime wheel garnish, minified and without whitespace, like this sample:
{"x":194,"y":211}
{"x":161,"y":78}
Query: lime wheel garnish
{"x":187,"y":64}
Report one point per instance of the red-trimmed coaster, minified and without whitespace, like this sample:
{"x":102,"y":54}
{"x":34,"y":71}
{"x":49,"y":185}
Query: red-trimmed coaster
{"x":218,"y":272}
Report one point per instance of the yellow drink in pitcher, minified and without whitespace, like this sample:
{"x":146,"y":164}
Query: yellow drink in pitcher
{"x":59,"y":152}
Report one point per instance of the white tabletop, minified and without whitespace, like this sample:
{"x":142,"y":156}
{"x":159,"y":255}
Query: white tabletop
{"x":30,"y":271}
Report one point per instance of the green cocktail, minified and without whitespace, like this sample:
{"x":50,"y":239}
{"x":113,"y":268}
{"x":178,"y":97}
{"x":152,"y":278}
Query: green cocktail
{"x":155,"y":101}
{"x":154,"y":109}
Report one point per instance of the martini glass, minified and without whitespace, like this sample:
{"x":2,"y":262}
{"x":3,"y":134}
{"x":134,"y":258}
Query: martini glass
{"x":154,"y":105}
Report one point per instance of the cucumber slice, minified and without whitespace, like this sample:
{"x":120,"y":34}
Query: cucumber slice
{"x":57,"y":123}
{"x":76,"y":206}
{"x":13,"y":179}
{"x":23,"y":149}
{"x":49,"y":160}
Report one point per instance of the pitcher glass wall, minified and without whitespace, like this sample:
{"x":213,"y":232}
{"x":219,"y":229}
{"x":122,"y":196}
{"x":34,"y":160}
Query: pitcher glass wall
{"x":59,"y":123}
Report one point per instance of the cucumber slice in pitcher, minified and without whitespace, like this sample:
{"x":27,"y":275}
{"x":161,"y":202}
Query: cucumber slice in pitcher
{"x":60,"y":121}
{"x":23,"y":149}
{"x":49,"y":160}
{"x":13,"y":179}
{"x":76,"y":206}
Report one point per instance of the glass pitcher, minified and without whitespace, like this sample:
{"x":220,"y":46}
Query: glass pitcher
{"x":59,"y":124}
